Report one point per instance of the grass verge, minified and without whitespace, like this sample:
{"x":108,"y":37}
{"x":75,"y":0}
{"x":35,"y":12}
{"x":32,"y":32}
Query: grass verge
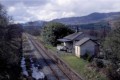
{"x":80,"y":66}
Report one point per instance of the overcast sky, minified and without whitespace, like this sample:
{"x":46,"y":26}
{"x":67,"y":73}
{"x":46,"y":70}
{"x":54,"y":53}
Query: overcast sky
{"x":31,"y":10}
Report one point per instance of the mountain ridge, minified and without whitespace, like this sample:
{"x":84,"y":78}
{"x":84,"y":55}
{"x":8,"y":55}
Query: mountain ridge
{"x":91,"y":18}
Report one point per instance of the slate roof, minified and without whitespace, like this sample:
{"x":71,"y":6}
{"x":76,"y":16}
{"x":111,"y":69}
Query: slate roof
{"x":73,"y":36}
{"x":82,"y":41}
{"x":64,"y":40}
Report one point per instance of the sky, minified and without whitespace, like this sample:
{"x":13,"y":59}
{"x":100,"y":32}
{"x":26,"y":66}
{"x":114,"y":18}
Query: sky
{"x":32,"y":10}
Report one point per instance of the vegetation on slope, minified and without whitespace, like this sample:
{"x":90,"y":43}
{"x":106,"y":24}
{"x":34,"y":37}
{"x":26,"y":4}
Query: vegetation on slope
{"x":10,"y":48}
{"x":80,"y":66}
{"x":111,"y":48}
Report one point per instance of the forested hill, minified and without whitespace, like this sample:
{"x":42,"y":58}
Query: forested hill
{"x":94,"y":21}
{"x":91,"y":18}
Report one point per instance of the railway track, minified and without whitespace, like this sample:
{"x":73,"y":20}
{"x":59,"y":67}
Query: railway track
{"x":56,"y":71}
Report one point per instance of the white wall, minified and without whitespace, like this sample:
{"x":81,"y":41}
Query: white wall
{"x":64,"y":44}
{"x":69,"y":45}
{"x":77,"y":51}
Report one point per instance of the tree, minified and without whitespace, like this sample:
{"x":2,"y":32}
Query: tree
{"x":4,"y":18}
{"x":10,"y":47}
{"x":53,"y":31}
{"x":111,"y":45}
{"x":111,"y":48}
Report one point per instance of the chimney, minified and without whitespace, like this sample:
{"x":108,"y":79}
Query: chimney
{"x":77,"y":29}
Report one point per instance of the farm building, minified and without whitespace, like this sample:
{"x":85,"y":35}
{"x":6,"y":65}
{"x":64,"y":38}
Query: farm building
{"x":86,"y":45}
{"x":70,"y":40}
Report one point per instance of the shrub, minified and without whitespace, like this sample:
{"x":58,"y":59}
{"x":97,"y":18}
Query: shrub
{"x":99,"y":63}
{"x":112,"y":73}
{"x":87,"y":56}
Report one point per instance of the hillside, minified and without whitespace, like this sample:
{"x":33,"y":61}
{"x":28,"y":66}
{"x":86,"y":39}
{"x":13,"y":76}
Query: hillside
{"x":33,"y":27}
{"x":91,"y":18}
{"x":94,"y":21}
{"x":34,"y":23}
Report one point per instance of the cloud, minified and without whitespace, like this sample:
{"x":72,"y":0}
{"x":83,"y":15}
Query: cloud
{"x":30,"y":10}
{"x":25,"y":2}
{"x":11,"y":9}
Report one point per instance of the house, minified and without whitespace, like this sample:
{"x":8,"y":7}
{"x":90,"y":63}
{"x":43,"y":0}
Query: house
{"x":86,"y":45}
{"x":70,"y":40}
{"x":80,"y":44}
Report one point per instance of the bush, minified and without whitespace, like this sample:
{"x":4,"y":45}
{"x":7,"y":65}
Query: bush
{"x":87,"y":56}
{"x":99,"y":63}
{"x":112,"y":73}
